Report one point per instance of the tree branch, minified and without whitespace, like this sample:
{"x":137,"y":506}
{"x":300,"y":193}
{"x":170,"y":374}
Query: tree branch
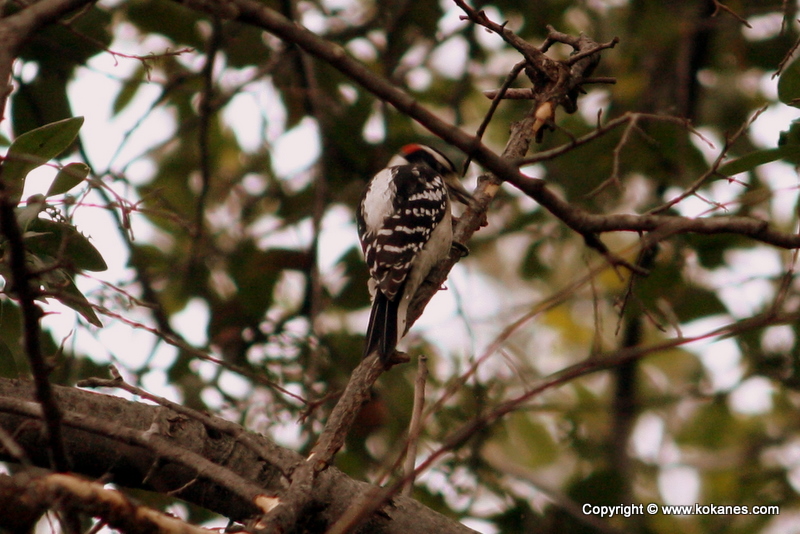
{"x":31,"y":496}
{"x":505,"y":170}
{"x":298,"y":496}
{"x":15,"y":30}
{"x":118,"y":456}
{"x":156,"y":440}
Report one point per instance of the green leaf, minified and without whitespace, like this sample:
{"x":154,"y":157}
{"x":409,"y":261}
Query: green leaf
{"x":40,"y":102}
{"x":89,"y":32}
{"x":35,"y":148}
{"x":68,"y":177}
{"x":30,"y":211}
{"x":790,"y":136}
{"x":128,"y":90}
{"x":8,"y":365}
{"x":60,"y":286}
{"x":69,"y":295}
{"x":712,"y":426}
{"x":789,"y":84}
{"x":354,"y":294}
{"x":46,"y":239}
{"x":171,"y":20}
{"x":711,"y":249}
{"x":528,"y":441}
{"x":700,"y":303}
{"x":752,"y":160}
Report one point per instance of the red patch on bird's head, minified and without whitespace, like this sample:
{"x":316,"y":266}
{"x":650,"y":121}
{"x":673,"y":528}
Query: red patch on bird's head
{"x":410,"y":149}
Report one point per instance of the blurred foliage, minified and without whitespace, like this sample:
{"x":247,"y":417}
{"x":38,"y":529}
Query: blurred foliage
{"x":265,"y":263}
{"x":55,"y":249}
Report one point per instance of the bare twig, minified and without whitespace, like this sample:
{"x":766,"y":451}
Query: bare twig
{"x":8,"y":443}
{"x":298,"y":495}
{"x":532,"y":55}
{"x":203,"y":140}
{"x":528,"y":94}
{"x":786,"y":58}
{"x":719,"y":6}
{"x":712,"y":171}
{"x":180,"y":343}
{"x":500,"y":94}
{"x":415,"y":426}
{"x":92,"y":498}
{"x":602,"y":130}
{"x":614,"y":178}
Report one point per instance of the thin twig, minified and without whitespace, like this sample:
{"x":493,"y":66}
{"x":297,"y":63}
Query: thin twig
{"x":531,"y":54}
{"x":615,"y":178}
{"x":8,"y":443}
{"x":500,"y":94}
{"x":786,"y":59}
{"x":180,"y":343}
{"x":203,"y":139}
{"x":719,"y":6}
{"x":712,"y":171}
{"x":295,"y":499}
{"x":415,"y":426}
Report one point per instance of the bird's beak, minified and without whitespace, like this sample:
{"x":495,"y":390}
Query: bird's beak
{"x":457,"y":190}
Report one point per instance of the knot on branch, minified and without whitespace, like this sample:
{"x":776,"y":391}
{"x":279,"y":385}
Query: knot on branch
{"x":554,"y":82}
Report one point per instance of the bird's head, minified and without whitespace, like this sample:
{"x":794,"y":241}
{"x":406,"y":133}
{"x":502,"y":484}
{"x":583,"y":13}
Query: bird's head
{"x":416,"y":154}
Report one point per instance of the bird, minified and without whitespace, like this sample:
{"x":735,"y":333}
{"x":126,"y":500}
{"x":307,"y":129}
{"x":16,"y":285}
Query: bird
{"x":405,"y":228}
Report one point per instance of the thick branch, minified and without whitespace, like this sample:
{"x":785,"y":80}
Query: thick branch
{"x":133,"y":465}
{"x":584,"y":222}
{"x":15,"y":30}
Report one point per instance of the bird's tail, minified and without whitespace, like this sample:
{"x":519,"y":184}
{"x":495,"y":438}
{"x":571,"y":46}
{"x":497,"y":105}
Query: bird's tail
{"x":382,"y":330}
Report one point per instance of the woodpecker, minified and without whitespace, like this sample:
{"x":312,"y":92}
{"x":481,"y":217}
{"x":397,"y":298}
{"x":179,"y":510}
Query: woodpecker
{"x":405,"y":227}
